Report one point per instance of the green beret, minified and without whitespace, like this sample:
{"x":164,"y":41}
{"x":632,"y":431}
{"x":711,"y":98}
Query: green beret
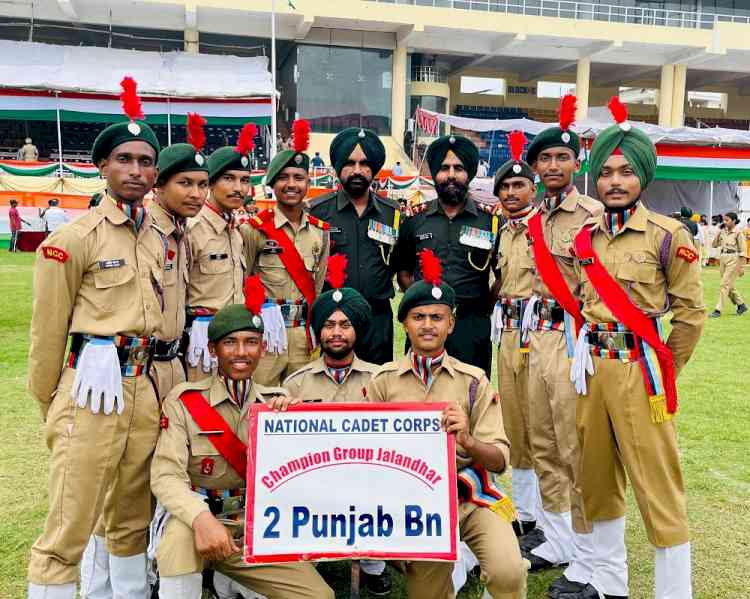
{"x":461,"y":146}
{"x":119,"y":133}
{"x":423,"y":293}
{"x":180,"y":158}
{"x":554,"y":137}
{"x":284,"y":159}
{"x":344,"y":143}
{"x":513,"y":168}
{"x":349,"y":301}
{"x":232,"y":318}
{"x":634,"y":144}
{"x":227,"y":159}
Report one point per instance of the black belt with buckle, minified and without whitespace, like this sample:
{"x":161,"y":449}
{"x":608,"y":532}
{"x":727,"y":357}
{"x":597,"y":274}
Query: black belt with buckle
{"x":133,"y":353}
{"x":515,"y":310}
{"x":612,"y":340}
{"x":166,"y":351}
{"x":553,"y":313}
{"x":728,"y":251}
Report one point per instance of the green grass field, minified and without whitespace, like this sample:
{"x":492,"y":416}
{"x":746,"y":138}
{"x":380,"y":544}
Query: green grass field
{"x":713,"y":431}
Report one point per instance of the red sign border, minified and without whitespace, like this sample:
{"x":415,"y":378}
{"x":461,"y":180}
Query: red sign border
{"x":252,"y":448}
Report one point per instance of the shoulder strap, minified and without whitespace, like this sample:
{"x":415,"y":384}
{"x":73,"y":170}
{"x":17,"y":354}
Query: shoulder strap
{"x":549,"y":271}
{"x":624,"y":310}
{"x":232,"y":449}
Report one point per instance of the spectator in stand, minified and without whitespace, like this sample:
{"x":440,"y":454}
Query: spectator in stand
{"x":28,"y":152}
{"x":54,"y":217}
{"x":317,"y":161}
{"x":15,"y":225}
{"x":397,"y":170}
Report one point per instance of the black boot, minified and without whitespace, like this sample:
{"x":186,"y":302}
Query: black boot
{"x":376,"y":584}
{"x":523,"y":527}
{"x":589,"y":592}
{"x":562,"y":585}
{"x":741,"y":309}
{"x":532,"y":539}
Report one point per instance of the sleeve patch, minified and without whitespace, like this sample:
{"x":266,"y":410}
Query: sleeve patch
{"x":53,"y":253}
{"x":687,"y":254}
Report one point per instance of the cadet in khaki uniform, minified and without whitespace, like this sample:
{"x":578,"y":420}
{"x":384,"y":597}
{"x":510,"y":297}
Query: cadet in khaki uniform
{"x":99,"y":279}
{"x":549,"y":325}
{"x":428,"y":373}
{"x":338,"y":317}
{"x":634,"y":265}
{"x":462,"y":232}
{"x":364,"y":226}
{"x":200,"y":531}
{"x":288,"y":249}
{"x":181,"y":189}
{"x":217,"y":263}
{"x":514,"y":186}
{"x":733,"y":248}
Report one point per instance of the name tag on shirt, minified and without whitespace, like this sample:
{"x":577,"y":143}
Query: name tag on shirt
{"x":381,"y":232}
{"x":218,"y":256}
{"x":335,"y":230}
{"x":271,"y":247}
{"x":424,"y":236}
{"x":115,"y":263}
{"x":169,"y":266}
{"x":477,"y":238}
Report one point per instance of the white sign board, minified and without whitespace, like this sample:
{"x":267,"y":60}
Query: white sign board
{"x":335,"y":481}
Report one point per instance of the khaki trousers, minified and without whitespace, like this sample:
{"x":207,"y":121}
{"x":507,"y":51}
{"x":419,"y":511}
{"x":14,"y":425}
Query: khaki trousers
{"x":513,"y":375}
{"x":99,"y":464}
{"x":617,"y":437}
{"x":552,"y":414}
{"x":273,"y":368}
{"x":176,"y":555}
{"x":493,"y":542}
{"x":166,"y":376}
{"x":729,"y":269}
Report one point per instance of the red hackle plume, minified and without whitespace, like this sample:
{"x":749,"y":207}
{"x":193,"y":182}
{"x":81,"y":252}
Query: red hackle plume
{"x":131,"y":103}
{"x":336,"y":273}
{"x":246,"y":139}
{"x":568,"y":107}
{"x":517,"y":142}
{"x":618,"y":109}
{"x":255,"y":295}
{"x":432,"y":270}
{"x":300,"y":135}
{"x":196,"y":135}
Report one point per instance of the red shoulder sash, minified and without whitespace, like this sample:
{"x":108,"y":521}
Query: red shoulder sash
{"x":229,"y":445}
{"x":624,"y":310}
{"x":550,"y":272}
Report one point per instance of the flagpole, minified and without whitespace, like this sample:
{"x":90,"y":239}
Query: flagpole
{"x":274,"y":133}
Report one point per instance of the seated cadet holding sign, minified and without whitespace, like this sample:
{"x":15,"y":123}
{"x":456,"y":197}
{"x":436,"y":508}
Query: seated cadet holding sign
{"x":199,"y":468}
{"x":428,"y":373}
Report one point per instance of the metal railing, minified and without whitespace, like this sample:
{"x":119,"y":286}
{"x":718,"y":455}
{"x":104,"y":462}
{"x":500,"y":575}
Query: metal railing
{"x":428,"y":74}
{"x":569,"y":9}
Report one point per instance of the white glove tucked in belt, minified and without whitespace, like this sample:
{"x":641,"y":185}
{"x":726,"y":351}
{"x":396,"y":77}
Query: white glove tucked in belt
{"x":98,"y":376}
{"x":197,"y":352}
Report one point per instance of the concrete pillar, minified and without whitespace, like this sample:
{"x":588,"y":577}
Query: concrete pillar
{"x":678,"y":96}
{"x":583,"y":81}
{"x":666,"y":91}
{"x":191,"y":41}
{"x":398,"y":95}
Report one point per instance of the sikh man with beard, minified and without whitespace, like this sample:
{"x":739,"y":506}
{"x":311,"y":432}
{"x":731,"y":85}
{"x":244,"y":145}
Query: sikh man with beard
{"x":339,"y":317}
{"x":181,"y":189}
{"x":515,"y":188}
{"x":288,"y":248}
{"x":364,"y":227}
{"x":462,"y":233}
{"x":634,"y":266}
{"x":217,"y":261}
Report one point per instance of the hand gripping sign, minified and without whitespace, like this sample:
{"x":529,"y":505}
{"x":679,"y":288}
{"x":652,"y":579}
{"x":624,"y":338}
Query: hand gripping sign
{"x":337,"y":481}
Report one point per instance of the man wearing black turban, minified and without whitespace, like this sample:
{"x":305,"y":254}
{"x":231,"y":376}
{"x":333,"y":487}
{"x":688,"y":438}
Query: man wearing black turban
{"x":462,"y":232}
{"x":339,"y":318}
{"x":364,"y":227}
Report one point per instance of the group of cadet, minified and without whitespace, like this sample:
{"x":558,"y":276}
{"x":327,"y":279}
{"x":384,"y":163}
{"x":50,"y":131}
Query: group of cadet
{"x":179,"y":320}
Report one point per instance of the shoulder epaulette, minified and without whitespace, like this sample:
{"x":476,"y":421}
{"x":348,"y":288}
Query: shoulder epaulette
{"x":591,"y":205}
{"x":298,"y":372}
{"x":261,"y":218}
{"x":473,"y":371}
{"x":201,"y":385}
{"x":672,"y":225}
{"x":322,"y":199}
{"x":87,"y":222}
{"x":387,"y":367}
{"x":321,"y":224}
{"x":270,"y":391}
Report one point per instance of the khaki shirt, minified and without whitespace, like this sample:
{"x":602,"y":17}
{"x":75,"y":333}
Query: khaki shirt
{"x":515,"y":260}
{"x":178,"y":461}
{"x":262,"y":256}
{"x":313,"y":383}
{"x":453,"y":381}
{"x":731,"y":242}
{"x":92,"y":276}
{"x":175,"y":274}
{"x":560,"y":227}
{"x":648,"y":260}
{"x":217,"y":265}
